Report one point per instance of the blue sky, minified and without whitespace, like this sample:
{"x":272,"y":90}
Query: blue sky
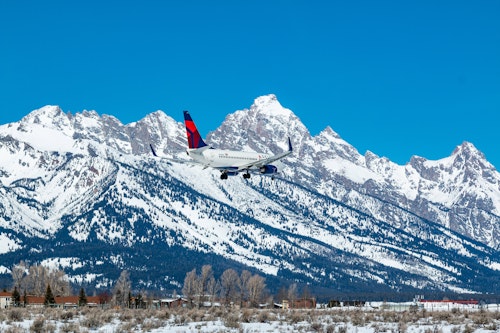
{"x":399,"y":78}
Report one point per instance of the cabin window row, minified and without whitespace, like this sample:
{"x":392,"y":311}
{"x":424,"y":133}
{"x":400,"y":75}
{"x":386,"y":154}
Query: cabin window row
{"x":239,"y":158}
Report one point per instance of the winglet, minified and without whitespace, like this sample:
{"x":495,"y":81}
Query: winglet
{"x":153,"y":150}
{"x":193,"y":136}
{"x":290,"y":144}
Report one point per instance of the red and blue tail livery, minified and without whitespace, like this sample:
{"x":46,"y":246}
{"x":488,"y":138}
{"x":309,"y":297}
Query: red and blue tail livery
{"x":193,"y":136}
{"x":228,"y":162}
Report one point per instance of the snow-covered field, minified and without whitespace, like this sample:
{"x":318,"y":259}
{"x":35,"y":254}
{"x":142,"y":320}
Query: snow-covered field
{"x":369,"y":319}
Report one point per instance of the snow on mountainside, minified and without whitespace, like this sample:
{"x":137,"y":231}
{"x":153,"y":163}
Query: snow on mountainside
{"x":461,"y":192}
{"x":84,"y":187}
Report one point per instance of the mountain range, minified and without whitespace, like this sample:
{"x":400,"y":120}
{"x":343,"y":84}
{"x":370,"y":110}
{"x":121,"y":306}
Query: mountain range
{"x":82,"y":192}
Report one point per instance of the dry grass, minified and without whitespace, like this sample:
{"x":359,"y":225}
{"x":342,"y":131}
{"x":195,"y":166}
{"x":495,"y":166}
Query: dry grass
{"x":324,"y":320}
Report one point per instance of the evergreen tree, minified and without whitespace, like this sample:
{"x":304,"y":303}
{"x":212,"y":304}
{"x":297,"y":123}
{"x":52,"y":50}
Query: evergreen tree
{"x":82,"y":298}
{"x":49,"y":297}
{"x":16,"y":297}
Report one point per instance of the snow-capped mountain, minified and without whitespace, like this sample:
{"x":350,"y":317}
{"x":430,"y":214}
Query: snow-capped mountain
{"x":81,"y":191}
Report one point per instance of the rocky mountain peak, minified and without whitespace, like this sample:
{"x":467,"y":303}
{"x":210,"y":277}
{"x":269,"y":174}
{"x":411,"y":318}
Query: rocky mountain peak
{"x":467,"y":155}
{"x":328,"y":131}
{"x":159,"y":129}
{"x":329,"y":141}
{"x":50,"y":116}
{"x":264,"y":127}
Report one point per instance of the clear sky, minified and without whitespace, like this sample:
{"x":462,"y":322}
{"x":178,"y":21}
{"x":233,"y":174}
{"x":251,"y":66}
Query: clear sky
{"x":399,"y":78}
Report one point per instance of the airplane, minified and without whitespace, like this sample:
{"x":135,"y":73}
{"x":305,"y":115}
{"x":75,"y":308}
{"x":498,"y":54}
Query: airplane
{"x":228,"y":162}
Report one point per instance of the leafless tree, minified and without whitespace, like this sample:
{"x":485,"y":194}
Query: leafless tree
{"x":306,"y":293}
{"x":37,"y":280}
{"x":282,"y":295}
{"x":121,"y":291}
{"x":292,"y":294}
{"x":34,"y":279}
{"x":190,"y":285}
{"x":18,"y":274}
{"x":205,"y":276}
{"x":256,"y":286}
{"x":213,"y":288}
{"x":59,"y":282}
{"x":203,"y":279}
{"x":243,"y":287}
{"x":229,"y":285}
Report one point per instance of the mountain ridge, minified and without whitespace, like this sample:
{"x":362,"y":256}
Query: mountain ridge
{"x":363,"y":217}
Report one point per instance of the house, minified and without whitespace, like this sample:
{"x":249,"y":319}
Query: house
{"x":34,"y":301}
{"x":170,"y":303}
{"x":5,"y":299}
{"x":72,"y":301}
{"x":64,"y":302}
{"x":38,"y":301}
{"x":303,"y":303}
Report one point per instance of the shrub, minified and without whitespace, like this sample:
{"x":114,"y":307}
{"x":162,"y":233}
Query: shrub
{"x":330,"y":329}
{"x":402,"y":327}
{"x":15,"y":315}
{"x":468,"y":329}
{"x":297,"y":317}
{"x":14,"y":329}
{"x":481,"y":318}
{"x":92,"y":321}
{"x":247,"y":315}
{"x":358,"y":318}
{"x":342,"y":329}
{"x":264,"y":316}
{"x":492,"y":327}
{"x":66,"y":315}
{"x":38,"y":325}
{"x":232,"y":320}
{"x":126,"y":327}
{"x":70,"y":328}
{"x":316,"y":326}
{"x":151,"y":324}
{"x":126,"y":315}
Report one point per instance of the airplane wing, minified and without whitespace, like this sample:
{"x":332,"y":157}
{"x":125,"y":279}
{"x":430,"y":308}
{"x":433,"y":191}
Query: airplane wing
{"x":269,"y":160}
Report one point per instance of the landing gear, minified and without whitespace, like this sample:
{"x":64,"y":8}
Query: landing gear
{"x":223,"y":175}
{"x":246,"y":175}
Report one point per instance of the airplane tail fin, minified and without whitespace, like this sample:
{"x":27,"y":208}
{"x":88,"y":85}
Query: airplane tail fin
{"x":193,"y":136}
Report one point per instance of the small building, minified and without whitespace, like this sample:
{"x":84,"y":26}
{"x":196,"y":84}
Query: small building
{"x":72,"y":301}
{"x":64,"y":302}
{"x":170,"y":303}
{"x":38,"y":301}
{"x":5,"y":299}
{"x":303,"y":303}
{"x":34,"y":301}
{"x":333,"y":303}
{"x":354,"y":303}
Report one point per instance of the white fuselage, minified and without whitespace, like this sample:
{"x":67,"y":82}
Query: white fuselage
{"x":219,"y":158}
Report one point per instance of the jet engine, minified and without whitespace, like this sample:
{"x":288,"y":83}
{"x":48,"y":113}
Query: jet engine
{"x":268,"y":169}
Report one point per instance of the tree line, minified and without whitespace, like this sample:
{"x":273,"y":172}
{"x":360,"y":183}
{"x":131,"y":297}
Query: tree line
{"x":34,"y":279}
{"x":38,"y":280}
{"x":245,"y":288}
{"x":231,"y":288}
